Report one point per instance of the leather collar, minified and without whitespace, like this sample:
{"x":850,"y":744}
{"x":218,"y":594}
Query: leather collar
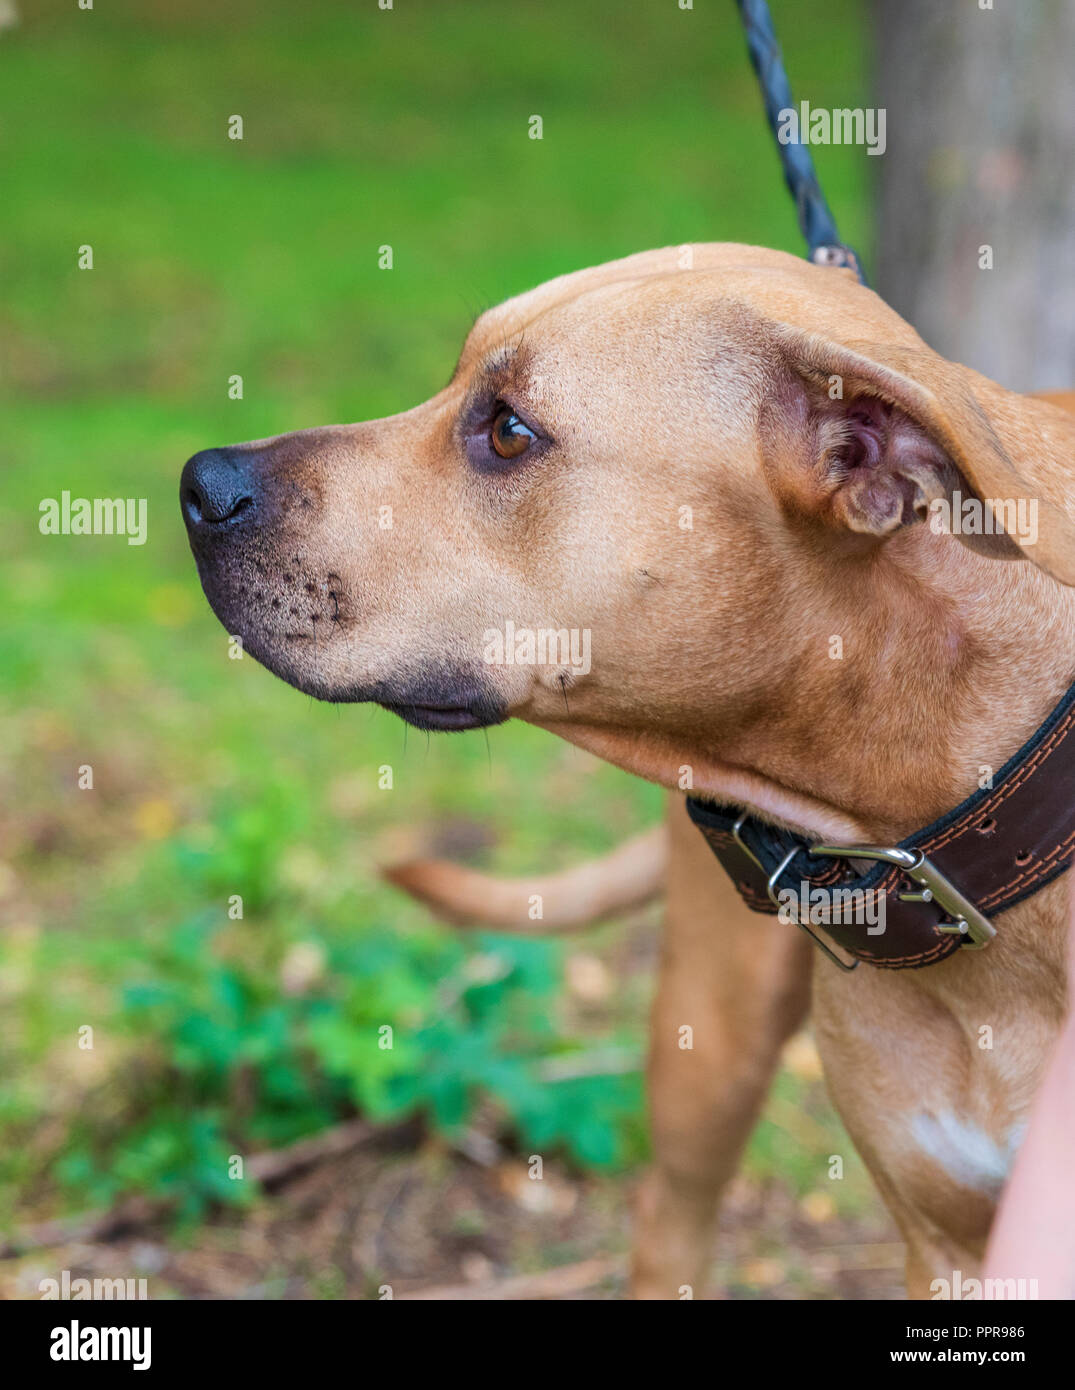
{"x":918,"y":902}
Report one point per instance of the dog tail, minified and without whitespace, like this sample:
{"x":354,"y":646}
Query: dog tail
{"x":629,"y":876}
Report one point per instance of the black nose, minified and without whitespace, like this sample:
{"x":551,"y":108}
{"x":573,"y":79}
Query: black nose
{"x":216,"y":486}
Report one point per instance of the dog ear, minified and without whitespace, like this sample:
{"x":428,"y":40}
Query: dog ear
{"x":868,"y":438}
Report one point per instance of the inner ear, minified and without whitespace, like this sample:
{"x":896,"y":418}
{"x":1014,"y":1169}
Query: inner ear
{"x":864,"y":437}
{"x":859,"y":462}
{"x":879,"y":469}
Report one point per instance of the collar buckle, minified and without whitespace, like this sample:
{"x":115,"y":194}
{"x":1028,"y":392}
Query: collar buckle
{"x":975,"y":928}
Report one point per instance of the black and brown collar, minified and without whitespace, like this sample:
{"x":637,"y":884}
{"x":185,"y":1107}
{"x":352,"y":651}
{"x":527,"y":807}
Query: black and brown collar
{"x":934,"y":893}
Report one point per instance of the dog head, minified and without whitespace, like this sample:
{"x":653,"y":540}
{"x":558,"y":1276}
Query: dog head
{"x":677,"y":461}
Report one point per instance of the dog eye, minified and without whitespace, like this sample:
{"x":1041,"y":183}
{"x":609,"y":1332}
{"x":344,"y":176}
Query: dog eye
{"x":509,"y":436}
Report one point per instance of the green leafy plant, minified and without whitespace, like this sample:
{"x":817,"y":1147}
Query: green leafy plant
{"x":221,"y":1053}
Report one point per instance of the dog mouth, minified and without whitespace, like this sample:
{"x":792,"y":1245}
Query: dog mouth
{"x":260,"y":592}
{"x":445,"y":718}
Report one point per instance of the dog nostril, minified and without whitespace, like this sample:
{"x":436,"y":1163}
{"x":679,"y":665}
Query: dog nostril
{"x":201,"y":507}
{"x":217,"y":486}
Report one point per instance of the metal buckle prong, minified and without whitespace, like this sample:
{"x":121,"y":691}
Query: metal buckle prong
{"x":978,"y":930}
{"x":737,"y":836}
{"x":774,"y":877}
{"x":770,"y":888}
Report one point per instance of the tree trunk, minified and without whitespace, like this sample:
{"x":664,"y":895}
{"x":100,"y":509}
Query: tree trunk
{"x":980,"y":154}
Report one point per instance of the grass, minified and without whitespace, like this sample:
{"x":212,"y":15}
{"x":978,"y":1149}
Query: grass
{"x":259,"y":257}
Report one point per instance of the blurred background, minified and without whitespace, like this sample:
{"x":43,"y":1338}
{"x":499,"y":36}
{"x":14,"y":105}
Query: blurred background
{"x":215,"y":1035}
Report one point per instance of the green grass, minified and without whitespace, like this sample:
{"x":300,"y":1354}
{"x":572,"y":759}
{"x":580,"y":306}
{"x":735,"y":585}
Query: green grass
{"x":214,"y":257}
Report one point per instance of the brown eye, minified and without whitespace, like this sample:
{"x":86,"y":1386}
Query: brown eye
{"x":509,"y":436}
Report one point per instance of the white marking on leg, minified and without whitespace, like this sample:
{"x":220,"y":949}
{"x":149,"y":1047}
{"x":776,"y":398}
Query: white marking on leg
{"x":969,"y":1155}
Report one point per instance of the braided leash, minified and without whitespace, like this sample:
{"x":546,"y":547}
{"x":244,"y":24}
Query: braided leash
{"x":815,"y":216}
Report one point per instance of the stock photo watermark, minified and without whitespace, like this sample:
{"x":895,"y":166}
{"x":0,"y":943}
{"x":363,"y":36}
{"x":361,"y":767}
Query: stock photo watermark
{"x":832,"y":906}
{"x":543,"y":646}
{"x":94,"y":516}
{"x":77,"y":1289}
{"x":808,"y":125}
{"x":77,"y":1343}
{"x":994,"y":516}
{"x":965,"y":1289}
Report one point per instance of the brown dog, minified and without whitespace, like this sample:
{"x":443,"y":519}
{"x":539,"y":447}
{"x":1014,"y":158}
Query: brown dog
{"x":712,"y":461}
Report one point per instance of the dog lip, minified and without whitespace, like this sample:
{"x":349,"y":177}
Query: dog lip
{"x":442,"y":718}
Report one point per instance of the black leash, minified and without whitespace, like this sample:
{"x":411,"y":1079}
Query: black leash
{"x":815,"y":216}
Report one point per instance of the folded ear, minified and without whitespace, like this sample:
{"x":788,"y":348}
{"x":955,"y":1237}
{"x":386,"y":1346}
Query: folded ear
{"x":868,"y":438}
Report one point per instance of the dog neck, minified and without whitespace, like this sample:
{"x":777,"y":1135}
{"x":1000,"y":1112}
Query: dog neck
{"x":946,"y":663}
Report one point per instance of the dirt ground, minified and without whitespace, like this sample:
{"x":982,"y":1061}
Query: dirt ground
{"x":415,"y":1219}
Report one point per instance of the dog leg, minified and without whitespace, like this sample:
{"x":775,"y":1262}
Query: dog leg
{"x":733,"y":986}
